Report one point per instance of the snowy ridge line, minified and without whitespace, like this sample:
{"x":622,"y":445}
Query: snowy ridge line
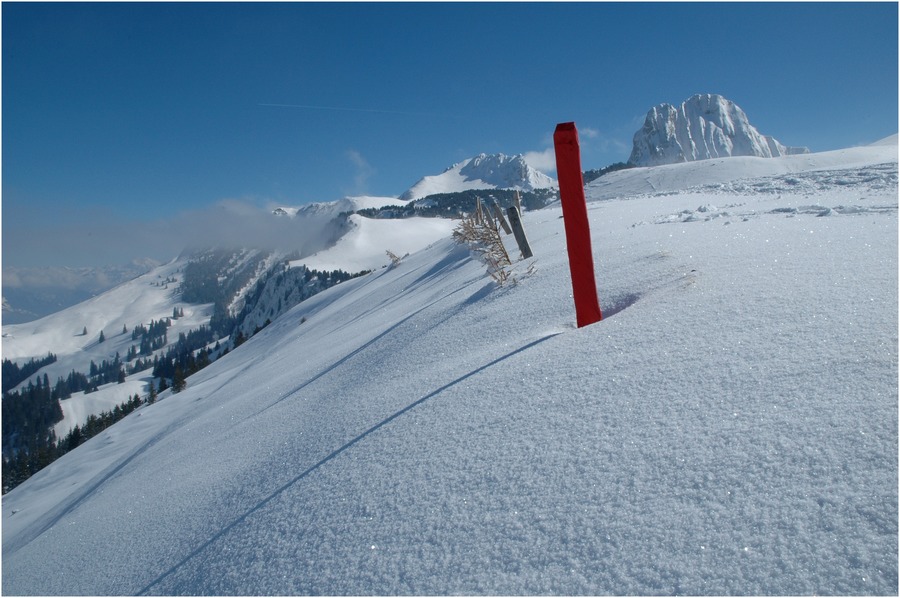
{"x":337,"y":452}
{"x":240,"y":297}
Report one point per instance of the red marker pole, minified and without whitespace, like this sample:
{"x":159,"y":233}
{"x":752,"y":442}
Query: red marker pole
{"x":578,"y":233}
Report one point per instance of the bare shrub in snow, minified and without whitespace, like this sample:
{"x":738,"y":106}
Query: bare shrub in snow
{"x":395,"y":259}
{"x":484,"y":239}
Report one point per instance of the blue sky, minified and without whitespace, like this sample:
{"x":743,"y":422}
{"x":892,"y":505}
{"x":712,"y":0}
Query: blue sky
{"x":118,"y":119}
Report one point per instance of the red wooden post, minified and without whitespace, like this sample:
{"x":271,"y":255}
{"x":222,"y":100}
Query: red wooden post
{"x":578,"y":233}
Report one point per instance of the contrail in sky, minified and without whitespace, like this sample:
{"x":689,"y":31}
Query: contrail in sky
{"x":345,"y":109}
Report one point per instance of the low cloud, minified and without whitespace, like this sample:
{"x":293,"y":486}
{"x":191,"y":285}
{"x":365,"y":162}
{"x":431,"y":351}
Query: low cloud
{"x":362,"y":172}
{"x":239,"y":223}
{"x":545,"y":160}
{"x":110,"y":241}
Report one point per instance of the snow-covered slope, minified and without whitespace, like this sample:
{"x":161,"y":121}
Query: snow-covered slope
{"x":365,"y":245}
{"x":671,"y":178}
{"x":704,"y":126}
{"x":730,"y":427}
{"x":31,"y":293}
{"x":152,"y":296}
{"x":485,"y":171}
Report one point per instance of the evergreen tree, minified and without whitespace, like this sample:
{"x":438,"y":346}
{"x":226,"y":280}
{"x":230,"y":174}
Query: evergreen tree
{"x":73,"y":439}
{"x":178,"y":380}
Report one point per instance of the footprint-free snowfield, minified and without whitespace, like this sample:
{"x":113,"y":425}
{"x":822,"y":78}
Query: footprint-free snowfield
{"x":729,"y":427}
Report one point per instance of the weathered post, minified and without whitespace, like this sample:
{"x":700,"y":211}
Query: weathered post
{"x":575,"y":217}
{"x":515,"y":221}
{"x":499,"y":213}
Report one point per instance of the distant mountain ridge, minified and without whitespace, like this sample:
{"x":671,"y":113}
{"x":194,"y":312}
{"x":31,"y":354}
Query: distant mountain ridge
{"x":484,"y":171}
{"x":704,"y":126}
{"x":31,"y":293}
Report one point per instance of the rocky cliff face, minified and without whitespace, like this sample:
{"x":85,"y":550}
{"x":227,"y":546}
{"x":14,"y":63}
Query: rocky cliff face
{"x":704,"y":126}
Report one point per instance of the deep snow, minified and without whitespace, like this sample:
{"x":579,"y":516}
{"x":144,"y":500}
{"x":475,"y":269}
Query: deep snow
{"x":730,"y":427}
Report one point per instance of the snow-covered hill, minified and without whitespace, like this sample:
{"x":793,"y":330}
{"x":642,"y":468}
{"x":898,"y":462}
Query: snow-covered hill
{"x":152,"y":296}
{"x":485,"y":171}
{"x":669,"y":178}
{"x":730,"y":427}
{"x":365,"y":245}
{"x":704,"y":126}
{"x":31,"y":293}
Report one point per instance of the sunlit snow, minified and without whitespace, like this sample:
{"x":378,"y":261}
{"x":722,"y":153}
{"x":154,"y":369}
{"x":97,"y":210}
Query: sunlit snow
{"x":729,"y":427}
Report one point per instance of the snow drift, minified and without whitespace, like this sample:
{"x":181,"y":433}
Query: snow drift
{"x":730,"y":427}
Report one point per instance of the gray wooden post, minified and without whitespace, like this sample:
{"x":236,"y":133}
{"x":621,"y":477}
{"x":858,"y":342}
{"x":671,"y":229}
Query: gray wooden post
{"x":479,"y":217}
{"x":502,"y":220}
{"x":519,"y":231}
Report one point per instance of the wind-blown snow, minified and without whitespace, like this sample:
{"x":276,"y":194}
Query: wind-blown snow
{"x":730,"y":427}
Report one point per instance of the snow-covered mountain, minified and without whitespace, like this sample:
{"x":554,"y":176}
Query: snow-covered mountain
{"x":359,"y":244}
{"x":484,"y":171}
{"x":704,"y":126}
{"x":31,"y":293}
{"x":729,"y":427}
{"x":362,"y":243}
{"x":331,"y":209}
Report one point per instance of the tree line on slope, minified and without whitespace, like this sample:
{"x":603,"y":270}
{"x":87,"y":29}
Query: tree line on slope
{"x":24,"y":464}
{"x":29,"y":442}
{"x":460,"y":203}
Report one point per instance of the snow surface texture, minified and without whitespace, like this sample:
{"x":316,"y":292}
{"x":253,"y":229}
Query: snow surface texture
{"x":730,"y":427}
{"x":704,"y":126}
{"x":484,"y":171}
